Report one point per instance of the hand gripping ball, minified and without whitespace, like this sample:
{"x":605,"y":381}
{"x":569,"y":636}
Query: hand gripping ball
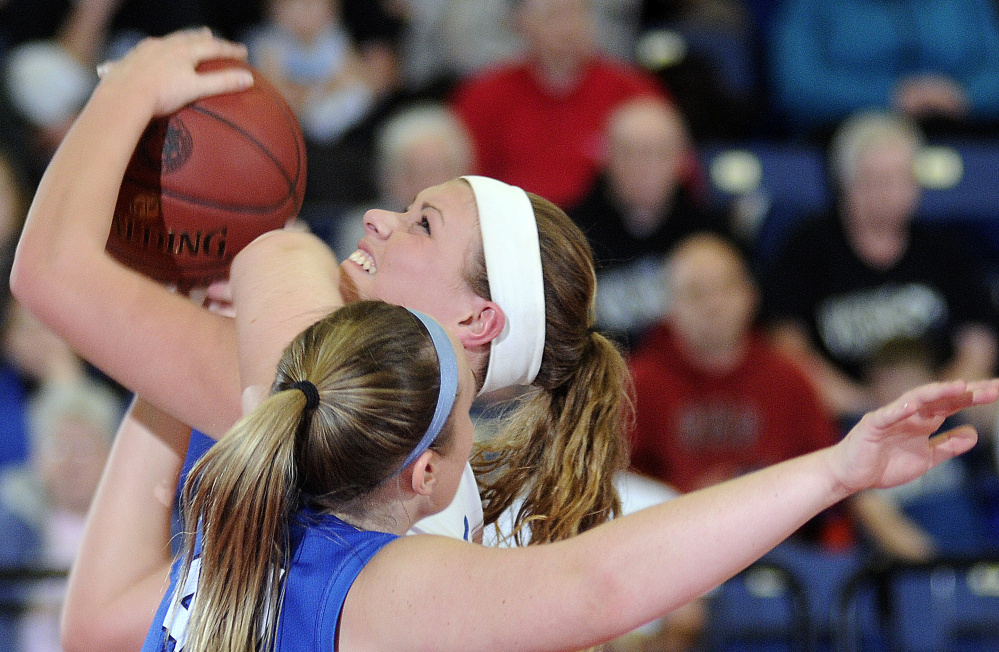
{"x":206,"y":181}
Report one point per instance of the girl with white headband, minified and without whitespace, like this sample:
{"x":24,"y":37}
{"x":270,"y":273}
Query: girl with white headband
{"x":186,"y":360}
{"x":183,"y":359}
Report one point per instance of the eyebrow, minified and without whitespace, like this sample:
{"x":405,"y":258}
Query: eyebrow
{"x":434,"y":208}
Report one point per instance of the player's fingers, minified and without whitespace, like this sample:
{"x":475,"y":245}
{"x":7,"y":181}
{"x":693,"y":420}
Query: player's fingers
{"x":229,"y":80}
{"x":952,"y":443}
{"x":930,"y":399}
{"x":984,"y":391}
{"x":220,"y":291}
{"x":219,"y":299}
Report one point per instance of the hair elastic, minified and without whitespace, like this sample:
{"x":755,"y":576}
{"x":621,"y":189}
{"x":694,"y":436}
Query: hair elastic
{"x":448,"y":363}
{"x":310,"y":391}
{"x":513,"y":265}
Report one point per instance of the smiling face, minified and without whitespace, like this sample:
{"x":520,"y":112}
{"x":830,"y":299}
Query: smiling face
{"x":418,"y":258}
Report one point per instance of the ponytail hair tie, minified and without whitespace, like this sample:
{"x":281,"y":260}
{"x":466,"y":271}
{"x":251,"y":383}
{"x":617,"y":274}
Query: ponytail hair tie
{"x":310,"y":391}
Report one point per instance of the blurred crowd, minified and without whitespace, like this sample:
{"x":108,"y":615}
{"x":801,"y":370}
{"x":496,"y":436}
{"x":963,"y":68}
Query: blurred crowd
{"x":746,"y":348}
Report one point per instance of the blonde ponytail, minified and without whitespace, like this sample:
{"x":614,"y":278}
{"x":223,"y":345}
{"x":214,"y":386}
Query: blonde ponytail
{"x":373,"y":384}
{"x":240,"y":496}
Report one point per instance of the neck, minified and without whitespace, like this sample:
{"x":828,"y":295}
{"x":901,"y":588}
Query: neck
{"x":478,"y":360}
{"x":386,"y":509}
{"x":557,"y":77}
{"x":717,"y":359}
{"x":878,"y":246}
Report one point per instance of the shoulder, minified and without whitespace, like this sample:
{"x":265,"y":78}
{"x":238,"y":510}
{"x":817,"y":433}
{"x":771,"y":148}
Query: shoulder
{"x":328,"y":560}
{"x":625,"y":75}
{"x":493,"y":77}
{"x":781,"y":371}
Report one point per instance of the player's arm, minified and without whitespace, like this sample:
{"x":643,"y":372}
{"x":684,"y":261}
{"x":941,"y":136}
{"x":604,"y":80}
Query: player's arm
{"x":178,"y":356}
{"x":287,"y":268}
{"x":590,"y":588}
{"x":121,"y":570}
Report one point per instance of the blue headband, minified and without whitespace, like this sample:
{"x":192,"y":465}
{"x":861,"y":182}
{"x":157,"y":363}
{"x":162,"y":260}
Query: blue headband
{"x":448,"y":362}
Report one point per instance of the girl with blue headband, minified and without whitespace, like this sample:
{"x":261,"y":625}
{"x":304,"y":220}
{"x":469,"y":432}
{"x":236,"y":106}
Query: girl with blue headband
{"x":300,"y":507}
{"x":366,"y":428}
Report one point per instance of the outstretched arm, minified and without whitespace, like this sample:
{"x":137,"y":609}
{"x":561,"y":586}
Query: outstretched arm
{"x":603,"y":583}
{"x":179,"y":357}
{"x":121,"y":570}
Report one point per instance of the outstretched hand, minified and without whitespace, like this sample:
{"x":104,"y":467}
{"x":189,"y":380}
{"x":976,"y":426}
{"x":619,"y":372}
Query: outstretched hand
{"x":163,"y":70}
{"x":896,"y":443}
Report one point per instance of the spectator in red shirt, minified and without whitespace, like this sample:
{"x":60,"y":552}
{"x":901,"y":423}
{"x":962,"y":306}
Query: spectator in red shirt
{"x":714,"y":399}
{"x":538,"y":122}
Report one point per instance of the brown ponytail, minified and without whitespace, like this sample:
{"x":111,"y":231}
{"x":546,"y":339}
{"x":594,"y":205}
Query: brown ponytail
{"x":563,"y":443}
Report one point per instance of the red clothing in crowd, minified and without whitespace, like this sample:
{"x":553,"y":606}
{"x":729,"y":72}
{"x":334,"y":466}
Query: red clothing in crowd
{"x":695,"y":428}
{"x":549,"y":144}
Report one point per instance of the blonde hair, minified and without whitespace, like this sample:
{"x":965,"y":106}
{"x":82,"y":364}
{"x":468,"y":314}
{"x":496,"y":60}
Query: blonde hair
{"x":563,"y":442}
{"x":376,"y":371}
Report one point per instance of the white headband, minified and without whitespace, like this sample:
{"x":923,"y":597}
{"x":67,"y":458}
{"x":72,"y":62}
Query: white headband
{"x":513,"y":265}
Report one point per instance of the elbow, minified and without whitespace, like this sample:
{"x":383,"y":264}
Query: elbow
{"x":93,"y":631}
{"x":36,"y":283}
{"x":283,"y":243}
{"x":82,"y":635}
{"x":27,"y":277}
{"x":276,"y":242}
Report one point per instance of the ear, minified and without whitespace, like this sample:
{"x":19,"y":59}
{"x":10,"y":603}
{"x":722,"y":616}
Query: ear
{"x":482,"y":326}
{"x":425,"y":470}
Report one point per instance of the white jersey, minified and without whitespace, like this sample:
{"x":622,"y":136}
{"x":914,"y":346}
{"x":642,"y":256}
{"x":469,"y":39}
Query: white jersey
{"x":462,"y":519}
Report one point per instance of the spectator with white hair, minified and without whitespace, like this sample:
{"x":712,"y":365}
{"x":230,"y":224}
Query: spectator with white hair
{"x":846,"y":283}
{"x":642,"y":204}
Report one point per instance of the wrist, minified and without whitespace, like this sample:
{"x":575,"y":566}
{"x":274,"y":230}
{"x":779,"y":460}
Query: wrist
{"x":836,"y":470}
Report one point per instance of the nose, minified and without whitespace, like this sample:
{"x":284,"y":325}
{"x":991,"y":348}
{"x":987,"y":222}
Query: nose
{"x":380,"y":223}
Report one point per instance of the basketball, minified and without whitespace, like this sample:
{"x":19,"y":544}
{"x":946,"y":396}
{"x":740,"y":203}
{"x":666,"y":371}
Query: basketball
{"x":206,"y":181}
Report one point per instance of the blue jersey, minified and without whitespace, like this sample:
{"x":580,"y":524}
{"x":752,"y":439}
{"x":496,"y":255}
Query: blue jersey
{"x":326,"y":556}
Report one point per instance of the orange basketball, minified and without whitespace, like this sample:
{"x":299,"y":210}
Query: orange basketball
{"x":207,"y":180}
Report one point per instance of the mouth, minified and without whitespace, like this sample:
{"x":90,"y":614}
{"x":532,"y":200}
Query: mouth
{"x":364,"y":260}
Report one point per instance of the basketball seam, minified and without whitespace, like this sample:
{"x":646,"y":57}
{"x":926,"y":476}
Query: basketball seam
{"x":292,"y":183}
{"x":234,"y":208}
